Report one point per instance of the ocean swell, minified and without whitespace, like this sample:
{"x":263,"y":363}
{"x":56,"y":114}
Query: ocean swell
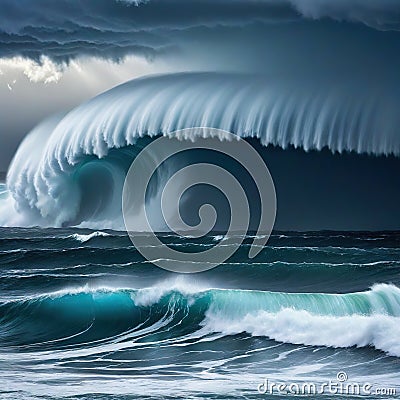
{"x":361,"y":319}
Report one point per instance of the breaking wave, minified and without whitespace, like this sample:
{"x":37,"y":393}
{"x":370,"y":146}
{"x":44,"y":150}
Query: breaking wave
{"x":334,"y":320}
{"x":70,"y":170}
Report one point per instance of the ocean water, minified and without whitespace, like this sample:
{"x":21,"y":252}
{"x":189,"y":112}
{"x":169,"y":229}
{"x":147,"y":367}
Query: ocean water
{"x":82,"y":315}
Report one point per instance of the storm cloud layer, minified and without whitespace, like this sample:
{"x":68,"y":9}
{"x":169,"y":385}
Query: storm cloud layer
{"x":112,"y":29}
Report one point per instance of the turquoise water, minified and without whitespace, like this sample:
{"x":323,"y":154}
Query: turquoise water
{"x":82,"y":315}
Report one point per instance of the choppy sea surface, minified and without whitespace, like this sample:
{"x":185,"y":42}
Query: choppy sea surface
{"x":83,"y":315}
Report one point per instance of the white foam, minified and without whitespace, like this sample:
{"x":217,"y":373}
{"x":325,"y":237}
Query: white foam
{"x":302,"y":327}
{"x":85,"y":238}
{"x":152,"y":295}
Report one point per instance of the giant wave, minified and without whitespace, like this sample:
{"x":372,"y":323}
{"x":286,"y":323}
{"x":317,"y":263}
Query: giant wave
{"x":70,"y":169}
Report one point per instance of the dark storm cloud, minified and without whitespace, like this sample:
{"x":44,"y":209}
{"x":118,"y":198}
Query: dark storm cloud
{"x":378,"y":14}
{"x":66,"y":29}
{"x":112,"y":29}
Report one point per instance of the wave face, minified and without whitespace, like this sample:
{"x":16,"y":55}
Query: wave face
{"x":70,"y":170}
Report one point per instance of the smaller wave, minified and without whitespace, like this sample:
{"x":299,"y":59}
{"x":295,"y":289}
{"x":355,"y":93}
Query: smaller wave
{"x":361,"y":319}
{"x":86,"y":238}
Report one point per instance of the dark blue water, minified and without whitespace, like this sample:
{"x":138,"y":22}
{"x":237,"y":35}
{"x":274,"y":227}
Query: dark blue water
{"x":82,"y":315}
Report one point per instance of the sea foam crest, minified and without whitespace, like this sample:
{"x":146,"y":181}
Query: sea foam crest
{"x":85,"y":238}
